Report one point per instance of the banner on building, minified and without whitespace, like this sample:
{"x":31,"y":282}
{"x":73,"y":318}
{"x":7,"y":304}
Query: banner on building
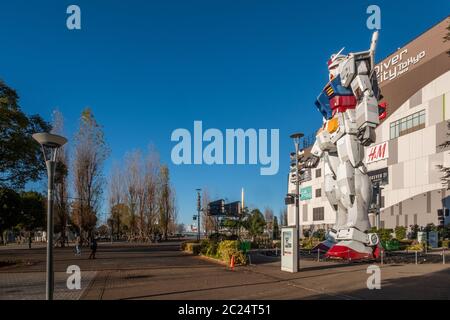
{"x":380,"y":176}
{"x":306,"y":193}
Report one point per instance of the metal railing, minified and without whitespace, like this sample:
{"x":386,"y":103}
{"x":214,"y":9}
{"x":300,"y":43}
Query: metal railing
{"x":386,"y":257}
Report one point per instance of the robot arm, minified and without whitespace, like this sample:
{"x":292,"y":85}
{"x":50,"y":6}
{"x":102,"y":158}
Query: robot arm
{"x":357,"y":73}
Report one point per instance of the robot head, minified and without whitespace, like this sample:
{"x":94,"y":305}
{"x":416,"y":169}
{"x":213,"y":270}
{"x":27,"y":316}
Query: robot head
{"x":334,"y":62}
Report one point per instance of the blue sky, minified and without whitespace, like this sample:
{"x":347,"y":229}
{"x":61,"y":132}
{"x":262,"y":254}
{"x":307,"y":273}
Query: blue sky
{"x":149,"y":67}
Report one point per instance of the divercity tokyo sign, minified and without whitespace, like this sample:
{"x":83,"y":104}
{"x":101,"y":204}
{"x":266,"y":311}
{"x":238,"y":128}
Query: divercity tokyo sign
{"x":397,"y":65}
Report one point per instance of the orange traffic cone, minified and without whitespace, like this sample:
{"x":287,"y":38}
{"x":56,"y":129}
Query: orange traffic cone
{"x":232,"y":263}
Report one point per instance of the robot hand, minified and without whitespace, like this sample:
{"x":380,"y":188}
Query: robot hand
{"x":366,"y":135}
{"x":311,"y":161}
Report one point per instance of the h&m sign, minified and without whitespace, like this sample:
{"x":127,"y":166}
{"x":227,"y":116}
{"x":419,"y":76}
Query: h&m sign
{"x":377,"y":152}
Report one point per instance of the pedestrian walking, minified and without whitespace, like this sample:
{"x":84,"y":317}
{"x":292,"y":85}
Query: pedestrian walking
{"x":78,"y":246}
{"x":93,"y":248}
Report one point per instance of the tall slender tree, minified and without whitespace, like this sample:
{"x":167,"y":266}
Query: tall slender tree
{"x":90,"y":154}
{"x":165,"y":203}
{"x":61,"y":181}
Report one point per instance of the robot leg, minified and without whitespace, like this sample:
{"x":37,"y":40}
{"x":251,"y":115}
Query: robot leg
{"x":332,"y":193}
{"x":358,"y":214}
{"x":354,"y":186}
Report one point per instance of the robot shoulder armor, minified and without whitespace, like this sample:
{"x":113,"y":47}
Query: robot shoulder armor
{"x":348,"y":71}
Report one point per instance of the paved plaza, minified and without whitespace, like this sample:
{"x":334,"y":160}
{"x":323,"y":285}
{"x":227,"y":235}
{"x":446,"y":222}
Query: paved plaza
{"x":162,"y":271}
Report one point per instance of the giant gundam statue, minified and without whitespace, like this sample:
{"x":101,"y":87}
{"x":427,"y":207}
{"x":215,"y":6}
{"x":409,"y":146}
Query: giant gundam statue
{"x":349,"y":104}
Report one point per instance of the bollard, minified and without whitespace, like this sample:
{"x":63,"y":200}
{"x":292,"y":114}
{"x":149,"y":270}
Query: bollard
{"x":276,"y":251}
{"x":416,"y":255}
{"x":382,"y":255}
{"x":318,"y":255}
{"x":443,"y":255}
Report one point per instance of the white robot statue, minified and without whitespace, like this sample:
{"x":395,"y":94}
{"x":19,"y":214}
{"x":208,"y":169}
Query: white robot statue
{"x":349,"y":105}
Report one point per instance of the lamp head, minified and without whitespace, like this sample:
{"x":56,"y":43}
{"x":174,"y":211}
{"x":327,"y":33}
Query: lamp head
{"x":296,"y":136}
{"x":50,"y":144}
{"x":49,"y":140}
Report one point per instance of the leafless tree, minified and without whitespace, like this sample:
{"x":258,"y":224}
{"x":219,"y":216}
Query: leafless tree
{"x":61,"y":181}
{"x":268,"y":216}
{"x":116,"y":199}
{"x":173,"y":222}
{"x":209,"y":223}
{"x":90,"y":153}
{"x":152,"y":168}
{"x":134,"y":191}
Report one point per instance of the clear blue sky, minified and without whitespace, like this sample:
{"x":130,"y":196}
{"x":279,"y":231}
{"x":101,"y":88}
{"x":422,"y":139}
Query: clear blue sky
{"x":149,"y":67}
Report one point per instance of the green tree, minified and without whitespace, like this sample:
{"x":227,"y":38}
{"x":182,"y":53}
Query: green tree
{"x":33,"y":210}
{"x":255,"y":224}
{"x":165,"y":203}
{"x":21,"y":157}
{"x":10,"y":207}
{"x":276,"y":228}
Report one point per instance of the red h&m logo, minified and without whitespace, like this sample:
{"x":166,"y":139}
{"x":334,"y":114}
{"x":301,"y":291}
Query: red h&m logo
{"x":377,"y":152}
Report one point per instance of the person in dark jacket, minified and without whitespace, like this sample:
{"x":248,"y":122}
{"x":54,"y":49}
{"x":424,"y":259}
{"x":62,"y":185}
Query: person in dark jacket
{"x":93,"y":248}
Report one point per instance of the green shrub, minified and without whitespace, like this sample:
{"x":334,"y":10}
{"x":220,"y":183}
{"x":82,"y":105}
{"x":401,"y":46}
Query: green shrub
{"x":445,"y":243}
{"x":384,"y":234}
{"x":400,"y":233}
{"x":192,"y":247}
{"x":319,"y":234}
{"x":229,"y":248}
{"x":308,"y":243}
{"x":415,"y":247}
{"x":209,"y":248}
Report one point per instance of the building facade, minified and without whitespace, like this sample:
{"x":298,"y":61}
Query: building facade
{"x":411,"y":141}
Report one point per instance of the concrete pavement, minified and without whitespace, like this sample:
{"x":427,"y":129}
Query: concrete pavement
{"x":162,"y":271}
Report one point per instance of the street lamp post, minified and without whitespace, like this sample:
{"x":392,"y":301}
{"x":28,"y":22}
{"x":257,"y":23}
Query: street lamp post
{"x":50,"y":143}
{"x":296,"y":138}
{"x":199,"y":208}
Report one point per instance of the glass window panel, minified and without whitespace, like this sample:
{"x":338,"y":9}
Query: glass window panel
{"x":415,"y":121}
{"x":409,"y":123}
{"x":403,"y":125}
{"x":422,"y":119}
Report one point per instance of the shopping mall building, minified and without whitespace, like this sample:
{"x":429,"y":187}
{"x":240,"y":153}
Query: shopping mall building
{"x":410,"y":143}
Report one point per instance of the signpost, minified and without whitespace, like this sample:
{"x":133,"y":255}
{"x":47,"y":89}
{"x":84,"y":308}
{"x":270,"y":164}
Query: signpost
{"x":289,"y":249}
